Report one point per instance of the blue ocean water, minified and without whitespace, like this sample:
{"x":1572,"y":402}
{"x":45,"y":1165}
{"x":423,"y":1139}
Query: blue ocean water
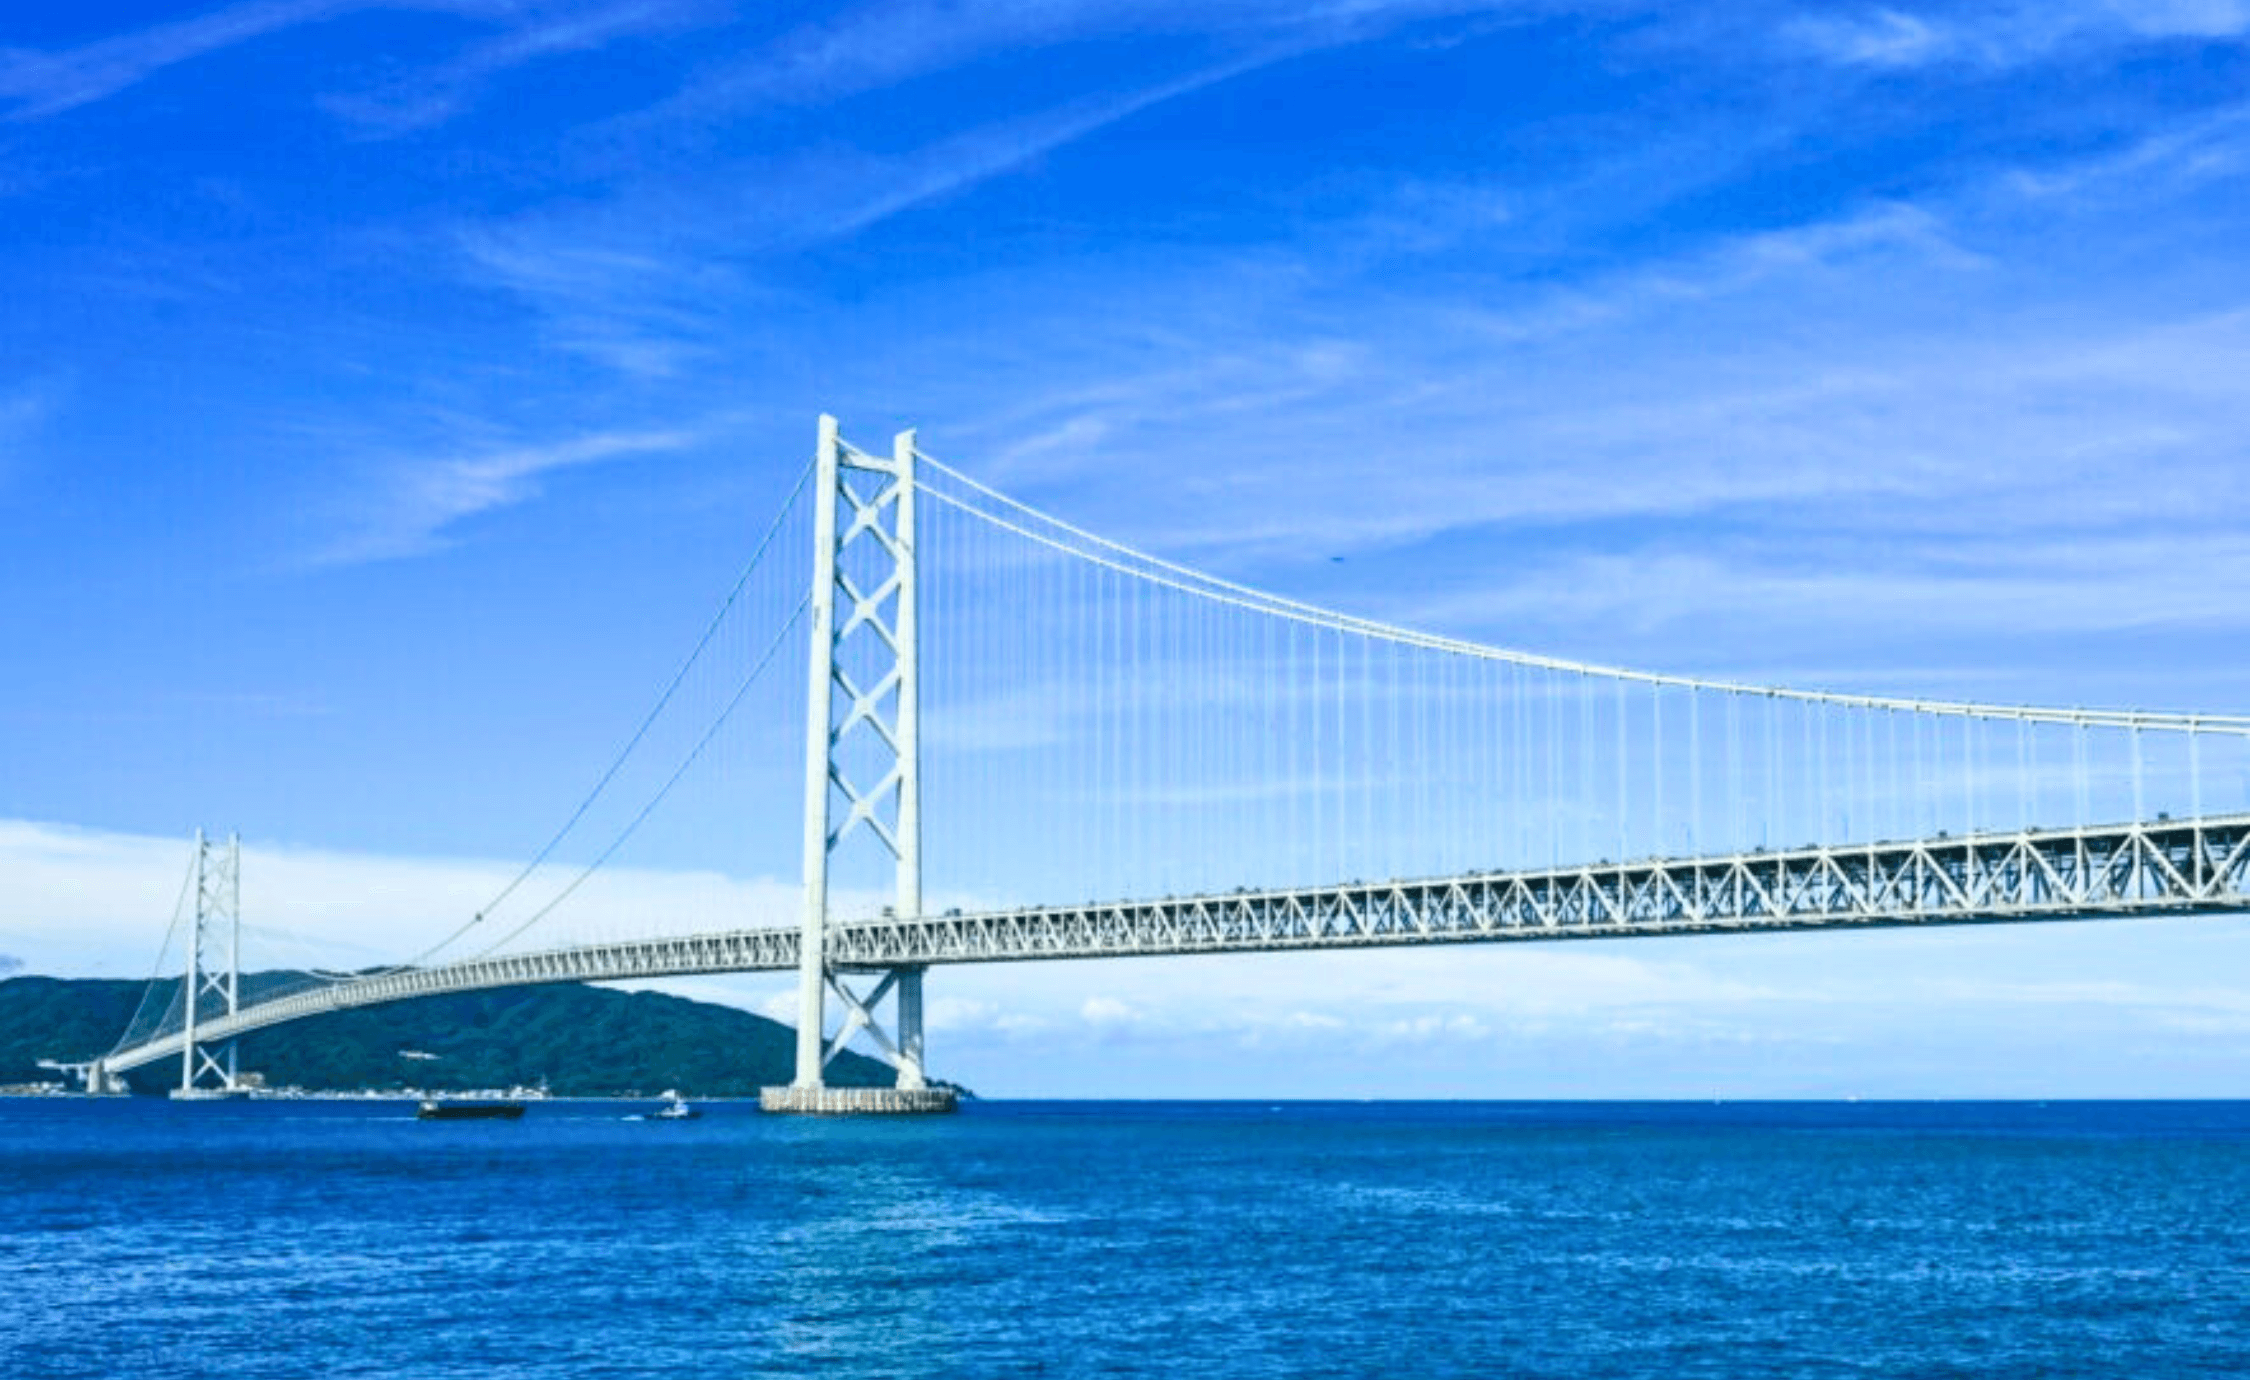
{"x":278,"y":1239}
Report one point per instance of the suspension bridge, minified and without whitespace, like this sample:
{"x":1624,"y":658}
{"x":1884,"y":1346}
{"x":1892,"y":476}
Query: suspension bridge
{"x":1015,"y":740}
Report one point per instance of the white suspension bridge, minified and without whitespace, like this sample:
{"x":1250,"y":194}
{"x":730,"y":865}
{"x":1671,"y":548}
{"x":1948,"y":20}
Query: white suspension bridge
{"x":1024,"y":742}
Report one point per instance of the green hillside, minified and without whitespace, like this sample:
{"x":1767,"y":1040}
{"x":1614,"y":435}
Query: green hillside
{"x":581,"y":1041}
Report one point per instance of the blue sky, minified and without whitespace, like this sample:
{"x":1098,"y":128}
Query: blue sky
{"x":387,"y":389}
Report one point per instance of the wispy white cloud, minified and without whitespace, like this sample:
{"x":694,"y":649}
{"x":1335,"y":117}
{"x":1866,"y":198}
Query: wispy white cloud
{"x":427,"y":96}
{"x":889,"y":43}
{"x":2071,"y":584}
{"x":1867,"y":239}
{"x":643,"y":312}
{"x":42,"y":84}
{"x":979,"y":155}
{"x":1832,"y":367}
{"x":862,"y":49}
{"x":642,"y":278}
{"x":1898,"y":38}
{"x":2169,"y":18}
{"x":85,"y":902}
{"x":2209,"y":148}
{"x":418,"y":501}
{"x":638,"y":282}
{"x":1228,"y":378}
{"x":1108,"y":1011}
{"x":1879,"y":38}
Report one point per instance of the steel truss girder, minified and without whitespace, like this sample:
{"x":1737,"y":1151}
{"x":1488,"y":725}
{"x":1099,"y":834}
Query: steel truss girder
{"x":2166,"y":868}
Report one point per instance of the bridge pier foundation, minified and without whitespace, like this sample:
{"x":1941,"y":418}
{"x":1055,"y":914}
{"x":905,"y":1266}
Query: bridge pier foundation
{"x":909,"y":1017}
{"x":825,"y":1101}
{"x":903,"y":1044}
{"x":94,"y":1077}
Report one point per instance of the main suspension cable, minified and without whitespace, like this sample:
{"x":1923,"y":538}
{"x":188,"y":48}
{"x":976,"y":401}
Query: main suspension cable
{"x":646,"y":810}
{"x":1158,"y":571}
{"x":156,"y":974}
{"x":648,"y":721}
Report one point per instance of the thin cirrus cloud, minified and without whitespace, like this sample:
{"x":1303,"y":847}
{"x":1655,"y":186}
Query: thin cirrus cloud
{"x":607,"y":291}
{"x":49,"y":83}
{"x":43,"y":84}
{"x":1892,"y":38}
{"x":639,"y":310}
{"x":426,"y":97}
{"x":1758,"y":431}
{"x":1884,"y":38}
{"x":1408,"y":361}
{"x":421,"y":502}
{"x":881,"y":45}
{"x":2072,"y":586}
{"x":1896,"y":351}
{"x":628,"y":285}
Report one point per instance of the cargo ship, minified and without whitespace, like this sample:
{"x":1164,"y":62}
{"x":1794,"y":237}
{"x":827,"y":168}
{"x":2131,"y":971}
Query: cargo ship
{"x":434,"y":1110}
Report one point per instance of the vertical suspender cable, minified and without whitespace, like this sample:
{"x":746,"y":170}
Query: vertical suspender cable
{"x":1624,"y":826}
{"x":1855,"y":778}
{"x":1319,"y":782}
{"x":1585,"y":771}
{"x":2195,"y":774}
{"x":1554,"y":771}
{"x":1772,"y":809}
{"x":2140,"y":801}
{"x":1295,"y":747}
{"x":2080,"y":782}
{"x":1336,"y":863}
{"x":1874,"y":794}
{"x":1974,"y":750}
{"x":1367,"y":757}
{"x":1826,"y":798}
{"x":1656,"y":769}
{"x":1735,"y":829}
{"x":1521,"y":732}
{"x":1808,"y":771}
{"x":1900,"y":827}
{"x":2024,"y":810}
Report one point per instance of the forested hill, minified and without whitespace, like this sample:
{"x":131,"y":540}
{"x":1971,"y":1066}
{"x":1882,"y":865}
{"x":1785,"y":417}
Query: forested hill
{"x":582,"y":1041}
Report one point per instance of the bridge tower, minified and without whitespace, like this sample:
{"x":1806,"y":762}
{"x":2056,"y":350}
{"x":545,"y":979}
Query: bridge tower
{"x":862,"y":760}
{"x":204,"y":1071}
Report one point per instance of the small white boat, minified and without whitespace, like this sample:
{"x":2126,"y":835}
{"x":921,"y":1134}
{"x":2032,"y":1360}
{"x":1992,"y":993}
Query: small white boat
{"x":675,"y":1108}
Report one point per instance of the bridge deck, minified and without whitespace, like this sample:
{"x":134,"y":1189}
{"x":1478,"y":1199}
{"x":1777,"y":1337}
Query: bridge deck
{"x":2162,"y":868}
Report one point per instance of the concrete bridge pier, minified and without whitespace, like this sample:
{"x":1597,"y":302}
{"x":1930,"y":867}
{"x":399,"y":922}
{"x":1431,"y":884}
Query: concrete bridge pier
{"x":94,"y":1077}
{"x":912,"y":1093}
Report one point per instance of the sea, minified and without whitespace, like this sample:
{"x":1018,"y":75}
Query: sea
{"x":145,"y":1238}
